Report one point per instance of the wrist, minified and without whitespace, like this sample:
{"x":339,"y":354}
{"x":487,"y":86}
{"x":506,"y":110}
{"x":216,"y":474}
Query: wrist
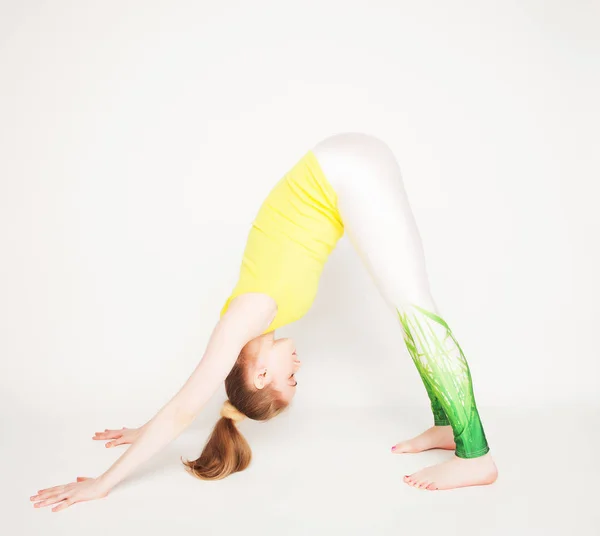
{"x":141,"y":430}
{"x":103,"y":483}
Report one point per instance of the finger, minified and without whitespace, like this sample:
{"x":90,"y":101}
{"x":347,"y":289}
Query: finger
{"x":45,"y":493}
{"x":107,"y":437}
{"x":65,"y":504}
{"x":49,"y":489}
{"x":107,"y":431}
{"x":113,"y":434}
{"x":82,"y":478}
{"x":51,"y":500}
{"x":48,"y":495}
{"x":116,"y":443}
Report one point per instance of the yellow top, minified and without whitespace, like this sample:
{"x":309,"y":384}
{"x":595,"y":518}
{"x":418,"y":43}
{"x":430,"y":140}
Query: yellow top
{"x":295,"y":230}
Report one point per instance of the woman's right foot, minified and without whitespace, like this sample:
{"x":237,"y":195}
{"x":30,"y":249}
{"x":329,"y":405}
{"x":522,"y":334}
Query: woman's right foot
{"x":437,"y":437}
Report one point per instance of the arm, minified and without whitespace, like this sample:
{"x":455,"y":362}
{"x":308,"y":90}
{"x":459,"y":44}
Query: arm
{"x":248,"y":316}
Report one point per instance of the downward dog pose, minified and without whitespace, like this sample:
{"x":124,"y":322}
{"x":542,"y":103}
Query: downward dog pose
{"x":346,"y":183}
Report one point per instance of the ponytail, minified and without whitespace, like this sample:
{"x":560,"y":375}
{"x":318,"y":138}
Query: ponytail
{"x":226,"y":451}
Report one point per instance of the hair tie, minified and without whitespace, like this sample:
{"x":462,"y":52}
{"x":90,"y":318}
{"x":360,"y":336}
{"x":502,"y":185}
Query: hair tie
{"x":229,"y":411}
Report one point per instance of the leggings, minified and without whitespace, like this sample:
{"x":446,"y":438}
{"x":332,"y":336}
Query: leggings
{"x":379,"y":222}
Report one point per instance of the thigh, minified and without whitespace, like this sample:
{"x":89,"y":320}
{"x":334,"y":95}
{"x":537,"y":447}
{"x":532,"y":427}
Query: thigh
{"x":377,"y":215}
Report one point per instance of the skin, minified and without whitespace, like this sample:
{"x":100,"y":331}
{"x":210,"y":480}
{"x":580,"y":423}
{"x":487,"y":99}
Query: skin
{"x":246,"y":319}
{"x":276,"y":364}
{"x":454,"y":473}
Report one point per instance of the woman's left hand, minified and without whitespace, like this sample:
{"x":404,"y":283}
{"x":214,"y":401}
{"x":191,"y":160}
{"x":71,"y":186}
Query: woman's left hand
{"x":83,"y":489}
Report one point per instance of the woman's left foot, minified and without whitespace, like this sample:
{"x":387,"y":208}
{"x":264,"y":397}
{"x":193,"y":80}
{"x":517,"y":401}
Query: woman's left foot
{"x":455,"y":473}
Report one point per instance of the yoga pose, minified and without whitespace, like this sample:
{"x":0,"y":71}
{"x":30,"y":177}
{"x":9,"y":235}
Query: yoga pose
{"x":346,"y":183}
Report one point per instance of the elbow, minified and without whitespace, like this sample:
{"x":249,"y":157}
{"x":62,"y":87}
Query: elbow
{"x":184,"y":417}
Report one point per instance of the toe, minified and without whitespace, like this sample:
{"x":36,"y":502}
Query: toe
{"x":432,"y":486}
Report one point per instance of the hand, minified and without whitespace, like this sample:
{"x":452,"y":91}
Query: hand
{"x":124,"y":436}
{"x":84,"y":489}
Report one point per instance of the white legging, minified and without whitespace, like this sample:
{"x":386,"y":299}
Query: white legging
{"x":381,"y":226}
{"x":377,"y":216}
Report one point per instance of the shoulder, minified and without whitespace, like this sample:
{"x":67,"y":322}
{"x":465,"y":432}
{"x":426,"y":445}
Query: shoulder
{"x":253,"y":303}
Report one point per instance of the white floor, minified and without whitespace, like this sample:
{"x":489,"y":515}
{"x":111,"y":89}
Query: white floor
{"x":326,"y":473}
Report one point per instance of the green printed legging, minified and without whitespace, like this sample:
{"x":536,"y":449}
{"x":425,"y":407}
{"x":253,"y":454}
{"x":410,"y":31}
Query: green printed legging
{"x":447,"y":378}
{"x":379,"y":221}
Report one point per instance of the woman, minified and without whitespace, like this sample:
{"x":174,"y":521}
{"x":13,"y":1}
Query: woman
{"x":348,"y":182}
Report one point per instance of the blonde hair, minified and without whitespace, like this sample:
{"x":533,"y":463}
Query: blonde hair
{"x":229,"y":411}
{"x":226,"y":450}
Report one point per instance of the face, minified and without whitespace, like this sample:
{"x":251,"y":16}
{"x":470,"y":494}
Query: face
{"x":276,"y":365}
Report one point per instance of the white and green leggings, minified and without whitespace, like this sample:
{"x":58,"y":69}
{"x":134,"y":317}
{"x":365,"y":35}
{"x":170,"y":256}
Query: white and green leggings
{"x":380,"y":224}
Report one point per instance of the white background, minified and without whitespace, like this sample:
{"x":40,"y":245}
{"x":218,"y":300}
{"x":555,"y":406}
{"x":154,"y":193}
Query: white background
{"x":138,"y":139}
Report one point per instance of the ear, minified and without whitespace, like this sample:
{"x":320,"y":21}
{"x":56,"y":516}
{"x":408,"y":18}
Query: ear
{"x":270,"y":336}
{"x":260,"y":378}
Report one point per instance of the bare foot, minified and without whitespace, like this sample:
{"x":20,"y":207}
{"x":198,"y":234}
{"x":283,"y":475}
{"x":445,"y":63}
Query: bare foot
{"x":437,"y":437}
{"x":455,"y":473}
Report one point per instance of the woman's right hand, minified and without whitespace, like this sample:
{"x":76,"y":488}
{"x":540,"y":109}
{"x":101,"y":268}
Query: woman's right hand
{"x":248,"y":316}
{"x":124,"y":436}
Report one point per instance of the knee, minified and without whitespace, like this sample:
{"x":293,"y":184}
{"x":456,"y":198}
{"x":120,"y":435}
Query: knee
{"x":418,"y":303}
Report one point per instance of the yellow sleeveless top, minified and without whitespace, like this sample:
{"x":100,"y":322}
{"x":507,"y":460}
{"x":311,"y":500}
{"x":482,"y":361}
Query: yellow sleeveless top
{"x":293,"y":234}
